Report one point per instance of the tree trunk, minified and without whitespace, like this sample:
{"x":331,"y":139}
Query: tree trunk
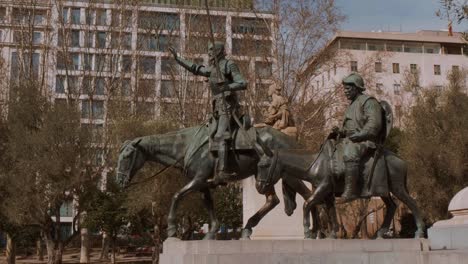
{"x":84,"y":256}
{"x":50,"y":250}
{"x":105,"y":247}
{"x":113,"y":250}
{"x":39,"y":249}
{"x":10,"y":250}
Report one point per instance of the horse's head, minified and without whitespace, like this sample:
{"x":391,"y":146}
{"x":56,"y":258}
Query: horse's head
{"x":130,"y":160}
{"x":267,"y":174}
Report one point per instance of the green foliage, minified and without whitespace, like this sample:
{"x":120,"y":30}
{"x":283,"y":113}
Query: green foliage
{"x":435,"y":146}
{"x":228,"y":205}
{"x":105,"y":211}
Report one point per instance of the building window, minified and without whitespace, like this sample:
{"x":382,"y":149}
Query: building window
{"x":147,"y":65}
{"x":60,"y":84}
{"x":379,"y":88}
{"x":438,"y":88}
{"x":455,"y":68}
{"x":100,"y":86}
{"x":100,"y":63}
{"x":436,"y":69}
{"x":94,"y":109}
{"x":378,"y":66}
{"x":396,"y":67}
{"x":65,"y":15}
{"x":413,"y":48}
{"x":2,"y":14}
{"x":75,"y":16}
{"x":413,"y":68}
{"x":126,"y":87}
{"x":263,"y":69}
{"x":168,"y":66}
{"x":394,"y":47}
{"x":146,"y":88}
{"x":101,"y":40}
{"x":126,"y":63}
{"x":167,"y":89}
{"x":354,"y":66}
{"x":334,"y":69}
{"x":37,"y":38}
{"x":101,"y":17}
{"x":75,"y":38}
{"x":396,"y":88}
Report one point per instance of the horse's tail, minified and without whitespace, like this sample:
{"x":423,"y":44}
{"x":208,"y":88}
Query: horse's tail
{"x":289,"y":196}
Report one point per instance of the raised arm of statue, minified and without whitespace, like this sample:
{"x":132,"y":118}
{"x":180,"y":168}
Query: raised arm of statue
{"x":190,"y":66}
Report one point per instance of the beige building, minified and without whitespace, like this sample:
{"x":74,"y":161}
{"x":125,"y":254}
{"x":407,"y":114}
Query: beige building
{"x":388,"y":61}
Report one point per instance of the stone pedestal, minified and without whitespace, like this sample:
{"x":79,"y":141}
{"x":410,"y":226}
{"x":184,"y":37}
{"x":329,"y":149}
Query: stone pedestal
{"x":452,"y":233}
{"x":391,"y":251}
{"x":276,"y":224}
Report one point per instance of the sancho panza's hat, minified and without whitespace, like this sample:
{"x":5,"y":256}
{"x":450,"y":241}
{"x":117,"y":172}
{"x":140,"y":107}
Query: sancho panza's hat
{"x":355,"y":79}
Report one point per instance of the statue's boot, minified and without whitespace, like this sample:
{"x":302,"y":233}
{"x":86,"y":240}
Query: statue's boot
{"x":351,"y":181}
{"x":222,"y":176}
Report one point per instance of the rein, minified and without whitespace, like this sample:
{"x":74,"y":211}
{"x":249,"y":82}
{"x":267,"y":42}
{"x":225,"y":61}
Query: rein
{"x":167,"y":166}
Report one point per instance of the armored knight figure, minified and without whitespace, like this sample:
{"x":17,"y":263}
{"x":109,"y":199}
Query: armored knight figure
{"x":362,"y":126}
{"x":224,"y":82}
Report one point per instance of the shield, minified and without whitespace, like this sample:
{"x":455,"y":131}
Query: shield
{"x":387,"y":117}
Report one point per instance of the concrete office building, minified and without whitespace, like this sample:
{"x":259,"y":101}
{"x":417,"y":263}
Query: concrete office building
{"x":387,"y":58}
{"x":85,"y":45}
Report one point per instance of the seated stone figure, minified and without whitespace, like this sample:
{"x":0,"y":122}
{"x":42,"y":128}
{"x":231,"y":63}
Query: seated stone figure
{"x":277,"y":114}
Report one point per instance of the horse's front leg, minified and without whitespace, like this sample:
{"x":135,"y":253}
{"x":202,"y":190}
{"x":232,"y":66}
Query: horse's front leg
{"x":270,"y":203}
{"x":193,"y":185}
{"x":208,"y":202}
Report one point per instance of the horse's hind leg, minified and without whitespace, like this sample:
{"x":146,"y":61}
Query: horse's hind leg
{"x":331,"y":213}
{"x":404,"y":196}
{"x":208,"y":202}
{"x":191,"y":186}
{"x":391,"y":207}
{"x":270,"y":203}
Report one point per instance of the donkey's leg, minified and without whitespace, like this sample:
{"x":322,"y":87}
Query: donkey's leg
{"x":331,"y":212}
{"x":318,"y":197}
{"x":270,"y":203}
{"x":403,"y":195}
{"x":208,"y":202}
{"x":391,"y":207}
{"x":193,"y":185}
{"x":305,"y":192}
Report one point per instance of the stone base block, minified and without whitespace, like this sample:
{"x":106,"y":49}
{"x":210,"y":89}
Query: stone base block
{"x":449,"y":237}
{"x":391,"y":251}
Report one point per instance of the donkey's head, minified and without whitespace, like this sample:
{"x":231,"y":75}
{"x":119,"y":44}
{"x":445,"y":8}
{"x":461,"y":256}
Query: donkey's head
{"x":267,"y":174}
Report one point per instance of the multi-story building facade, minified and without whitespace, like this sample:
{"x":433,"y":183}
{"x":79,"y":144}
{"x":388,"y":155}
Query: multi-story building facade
{"x":90,"y":51}
{"x":390,"y":62}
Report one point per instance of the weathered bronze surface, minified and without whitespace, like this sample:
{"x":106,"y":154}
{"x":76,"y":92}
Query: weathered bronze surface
{"x":188,"y":150}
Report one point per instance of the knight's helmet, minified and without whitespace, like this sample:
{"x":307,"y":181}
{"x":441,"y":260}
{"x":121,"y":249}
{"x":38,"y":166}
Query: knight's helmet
{"x":355,"y":79}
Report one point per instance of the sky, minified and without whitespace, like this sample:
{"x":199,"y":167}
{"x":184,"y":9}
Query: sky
{"x":393,"y":15}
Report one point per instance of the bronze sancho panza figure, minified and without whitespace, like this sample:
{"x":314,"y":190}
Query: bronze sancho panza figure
{"x":224,"y":79}
{"x":362,"y":126}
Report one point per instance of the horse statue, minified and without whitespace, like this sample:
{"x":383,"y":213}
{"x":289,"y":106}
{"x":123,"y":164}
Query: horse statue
{"x":188,"y":150}
{"x":320,"y":170}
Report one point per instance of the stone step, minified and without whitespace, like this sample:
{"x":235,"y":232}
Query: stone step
{"x":388,"y":251}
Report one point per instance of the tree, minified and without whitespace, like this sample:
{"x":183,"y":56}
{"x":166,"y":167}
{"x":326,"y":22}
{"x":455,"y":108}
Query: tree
{"x":435,"y":145}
